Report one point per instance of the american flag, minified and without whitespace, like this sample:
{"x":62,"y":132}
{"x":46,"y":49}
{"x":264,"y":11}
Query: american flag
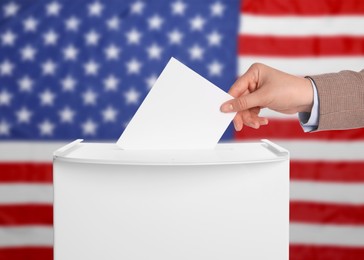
{"x":80,"y":69}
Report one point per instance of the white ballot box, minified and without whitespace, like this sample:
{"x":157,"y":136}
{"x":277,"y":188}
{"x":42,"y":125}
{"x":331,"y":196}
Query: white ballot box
{"x":231,"y":202}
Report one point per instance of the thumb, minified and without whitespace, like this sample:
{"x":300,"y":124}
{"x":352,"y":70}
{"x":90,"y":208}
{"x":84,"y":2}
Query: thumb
{"x":241,"y":103}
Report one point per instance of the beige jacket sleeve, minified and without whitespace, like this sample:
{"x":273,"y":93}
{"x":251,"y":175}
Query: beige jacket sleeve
{"x":341,"y":100}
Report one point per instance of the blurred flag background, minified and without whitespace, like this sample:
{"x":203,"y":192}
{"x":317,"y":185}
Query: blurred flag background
{"x":80,"y":69}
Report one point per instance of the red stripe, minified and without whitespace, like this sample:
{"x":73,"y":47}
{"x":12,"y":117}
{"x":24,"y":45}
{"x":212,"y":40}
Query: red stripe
{"x":322,"y":213}
{"x":300,"y":46}
{"x":26,"y":172}
{"x":291,"y":129}
{"x":311,"y":252}
{"x":303,"y":7}
{"x":26,"y":253}
{"x":11,"y":215}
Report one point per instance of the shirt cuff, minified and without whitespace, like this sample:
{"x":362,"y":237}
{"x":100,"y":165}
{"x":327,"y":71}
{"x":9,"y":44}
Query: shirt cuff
{"x":309,"y":121}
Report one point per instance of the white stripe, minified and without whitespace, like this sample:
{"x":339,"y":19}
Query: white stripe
{"x":272,"y":114}
{"x":26,"y":193}
{"x":342,"y":193}
{"x":301,"y":26}
{"x":327,"y":235}
{"x":304,"y":66}
{"x":26,"y":236}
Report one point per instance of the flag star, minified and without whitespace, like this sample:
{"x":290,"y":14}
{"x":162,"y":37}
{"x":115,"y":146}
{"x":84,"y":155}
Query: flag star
{"x":133,"y":36}
{"x":70,"y":52}
{"x":25,"y":84}
{"x":154,"y":51}
{"x":91,"y":68}
{"x":5,"y":98}
{"x":6,"y":68}
{"x":47,"y":98}
{"x":151,"y":80}
{"x":30,"y":24}
{"x":66,"y":115}
{"x":109,"y":114}
{"x":89,"y":97}
{"x":8,"y":38}
{"x":133,"y":66}
{"x":196,"y":52}
{"x":46,"y":127}
{"x":111,"y":83}
{"x":11,"y":9}
{"x":89,"y":127}
{"x":137,"y":7}
{"x":175,"y":37}
{"x":50,"y":38}
{"x":24,"y":115}
{"x":92,"y":37}
{"x":197,"y":23}
{"x":215,"y":68}
{"x":95,"y":9}
{"x":49,"y":67}
{"x":112,"y":52}
{"x":214,"y":38}
{"x":28,"y":53}
{"x":132,"y":96}
{"x":72,"y":24}
{"x":68,"y":83}
{"x":53,"y":8}
{"x":4,"y":127}
{"x":217,"y":9}
{"x":178,"y":7}
{"x":155,"y":22}
{"x":113,"y":23}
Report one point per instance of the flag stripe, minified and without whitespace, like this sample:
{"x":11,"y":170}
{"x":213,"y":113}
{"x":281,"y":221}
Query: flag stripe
{"x":323,"y":213}
{"x":26,"y":193}
{"x":302,"y":7}
{"x":28,"y":214}
{"x":26,"y":236}
{"x":304,"y":252}
{"x":26,"y":172}
{"x":27,"y":253}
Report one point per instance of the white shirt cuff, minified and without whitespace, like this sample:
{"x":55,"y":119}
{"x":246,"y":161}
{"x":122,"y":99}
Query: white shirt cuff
{"x":309,"y":121}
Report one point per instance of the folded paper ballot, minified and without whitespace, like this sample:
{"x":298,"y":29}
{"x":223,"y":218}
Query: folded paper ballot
{"x":181,"y":111}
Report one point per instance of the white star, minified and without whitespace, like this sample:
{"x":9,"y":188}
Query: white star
{"x":111,"y":83}
{"x":11,"y":9}
{"x":6,"y":68}
{"x":197,"y":23}
{"x":91,"y":67}
{"x":214,"y":38}
{"x":151,"y":80}
{"x":50,"y":38}
{"x":89,"y":127}
{"x":132,"y":96}
{"x":24,"y":115}
{"x":95,"y":9}
{"x":217,"y":9}
{"x":70,"y":52}
{"x":53,"y":8}
{"x":4,"y":127}
{"x":133,"y":66}
{"x":72,"y":24}
{"x":112,"y":52}
{"x":5,"y":98}
{"x":25,"y":84}
{"x":175,"y":37}
{"x":133,"y":36}
{"x":196,"y":52}
{"x":30,"y":24}
{"x":113,"y":23}
{"x":137,"y":7}
{"x":8,"y":38}
{"x":66,"y":115}
{"x":28,"y":53}
{"x":89,"y":97}
{"x":68,"y":83}
{"x":49,"y":67}
{"x":154,"y":51}
{"x":109,"y":114}
{"x":215,"y":68}
{"x":46,"y":127}
{"x":47,"y":98}
{"x":155,"y":22}
{"x":178,"y":7}
{"x":92,"y":37}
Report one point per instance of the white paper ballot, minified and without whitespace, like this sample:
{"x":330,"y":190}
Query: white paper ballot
{"x":181,"y":111}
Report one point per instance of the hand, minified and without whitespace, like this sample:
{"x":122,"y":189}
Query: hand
{"x":265,"y":87}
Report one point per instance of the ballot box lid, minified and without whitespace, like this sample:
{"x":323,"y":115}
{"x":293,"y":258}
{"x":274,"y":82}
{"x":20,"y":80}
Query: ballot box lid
{"x":224,"y":153}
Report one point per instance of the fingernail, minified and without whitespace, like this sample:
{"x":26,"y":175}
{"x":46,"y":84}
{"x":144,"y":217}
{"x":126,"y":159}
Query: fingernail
{"x":227,"y":108}
{"x":237,"y":126}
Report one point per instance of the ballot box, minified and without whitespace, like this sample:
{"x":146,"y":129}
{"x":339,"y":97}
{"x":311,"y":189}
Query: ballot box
{"x":231,"y":202}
